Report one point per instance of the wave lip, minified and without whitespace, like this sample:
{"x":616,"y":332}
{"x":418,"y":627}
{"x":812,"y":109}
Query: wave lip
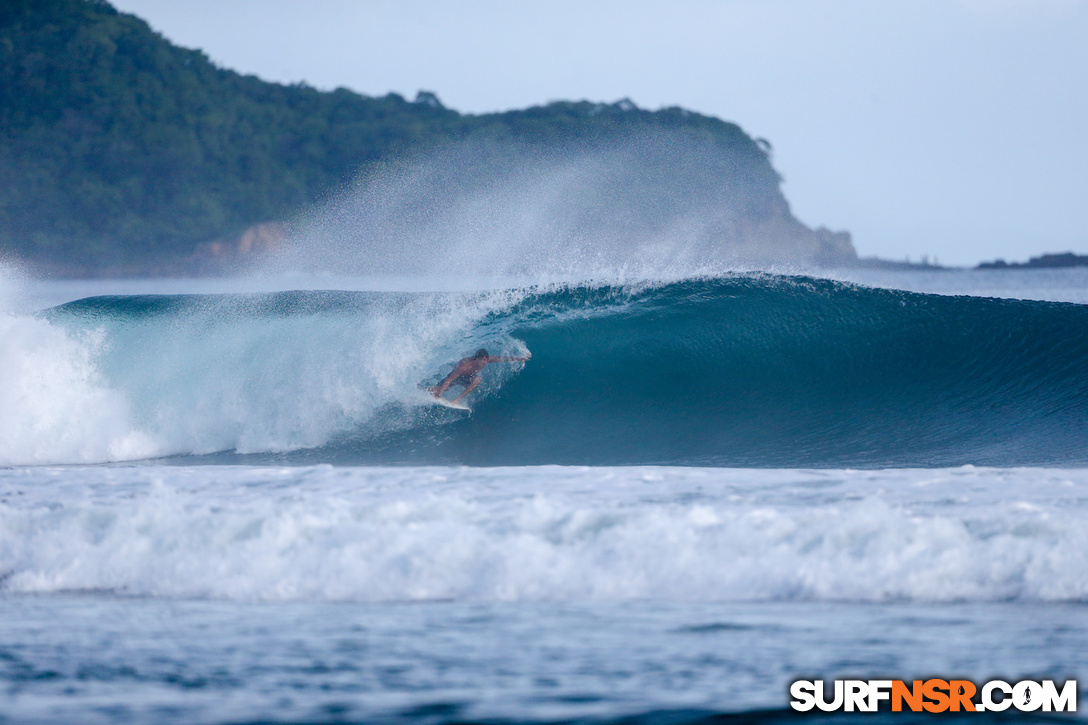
{"x":772,"y":371}
{"x":749,"y":370}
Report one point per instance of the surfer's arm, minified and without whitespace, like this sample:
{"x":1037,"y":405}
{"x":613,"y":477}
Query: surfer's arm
{"x":441,"y":387}
{"x":460,"y":369}
{"x":507,"y":358}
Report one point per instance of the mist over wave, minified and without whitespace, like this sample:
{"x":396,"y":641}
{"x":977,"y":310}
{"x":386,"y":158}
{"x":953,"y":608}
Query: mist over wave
{"x":662,"y":205}
{"x":135,"y":377}
{"x":752,"y":370}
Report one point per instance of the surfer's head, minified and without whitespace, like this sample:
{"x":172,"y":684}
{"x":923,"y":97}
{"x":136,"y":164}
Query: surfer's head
{"x":481,"y":354}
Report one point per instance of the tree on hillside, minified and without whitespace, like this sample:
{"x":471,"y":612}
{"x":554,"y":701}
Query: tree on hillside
{"x":120,"y":151}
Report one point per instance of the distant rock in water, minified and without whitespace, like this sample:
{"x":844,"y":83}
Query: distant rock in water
{"x":1046,"y":261}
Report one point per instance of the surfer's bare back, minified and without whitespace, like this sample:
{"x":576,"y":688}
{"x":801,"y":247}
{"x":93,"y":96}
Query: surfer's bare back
{"x":467,"y":372}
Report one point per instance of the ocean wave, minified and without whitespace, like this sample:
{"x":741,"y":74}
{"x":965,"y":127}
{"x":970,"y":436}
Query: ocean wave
{"x":752,"y":370}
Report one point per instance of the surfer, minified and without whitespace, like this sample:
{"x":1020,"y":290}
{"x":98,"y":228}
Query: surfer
{"x":467,"y":372}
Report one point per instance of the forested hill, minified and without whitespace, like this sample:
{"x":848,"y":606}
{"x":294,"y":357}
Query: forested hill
{"x":120,"y":152}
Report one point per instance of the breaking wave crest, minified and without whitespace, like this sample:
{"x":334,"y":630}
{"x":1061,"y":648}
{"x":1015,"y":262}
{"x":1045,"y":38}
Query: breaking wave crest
{"x":751,"y":370}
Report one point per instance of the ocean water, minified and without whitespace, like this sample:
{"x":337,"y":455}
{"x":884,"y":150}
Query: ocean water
{"x":230,"y":501}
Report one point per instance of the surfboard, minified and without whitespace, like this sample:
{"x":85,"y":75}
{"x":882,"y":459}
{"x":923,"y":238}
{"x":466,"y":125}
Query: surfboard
{"x":450,"y":404}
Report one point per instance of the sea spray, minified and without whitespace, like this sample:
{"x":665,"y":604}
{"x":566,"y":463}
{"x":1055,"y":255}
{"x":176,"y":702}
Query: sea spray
{"x":669,"y":204}
{"x":132,"y":377}
{"x":57,"y":407}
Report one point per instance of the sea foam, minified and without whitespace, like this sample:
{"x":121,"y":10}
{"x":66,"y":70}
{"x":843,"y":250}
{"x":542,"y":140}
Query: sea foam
{"x":546,"y":534}
{"x":169,"y":375}
{"x":58,"y":407}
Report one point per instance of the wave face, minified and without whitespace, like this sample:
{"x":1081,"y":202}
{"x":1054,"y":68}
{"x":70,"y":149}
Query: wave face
{"x":736,"y":371}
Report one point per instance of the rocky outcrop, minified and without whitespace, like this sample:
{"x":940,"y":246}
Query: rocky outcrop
{"x":1046,"y":261}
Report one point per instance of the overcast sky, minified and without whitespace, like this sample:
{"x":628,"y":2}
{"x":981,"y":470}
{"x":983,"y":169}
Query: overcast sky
{"x":956,"y":129}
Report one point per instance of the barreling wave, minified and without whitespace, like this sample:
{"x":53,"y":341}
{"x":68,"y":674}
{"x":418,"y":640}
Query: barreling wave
{"x":735,"y":371}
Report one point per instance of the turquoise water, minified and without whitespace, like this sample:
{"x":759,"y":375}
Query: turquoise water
{"x":234,"y":504}
{"x":738,"y":371}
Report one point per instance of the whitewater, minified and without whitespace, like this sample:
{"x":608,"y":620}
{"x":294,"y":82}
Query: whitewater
{"x":230,"y":501}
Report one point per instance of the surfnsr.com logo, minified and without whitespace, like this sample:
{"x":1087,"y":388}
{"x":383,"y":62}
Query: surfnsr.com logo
{"x":934,"y":696}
